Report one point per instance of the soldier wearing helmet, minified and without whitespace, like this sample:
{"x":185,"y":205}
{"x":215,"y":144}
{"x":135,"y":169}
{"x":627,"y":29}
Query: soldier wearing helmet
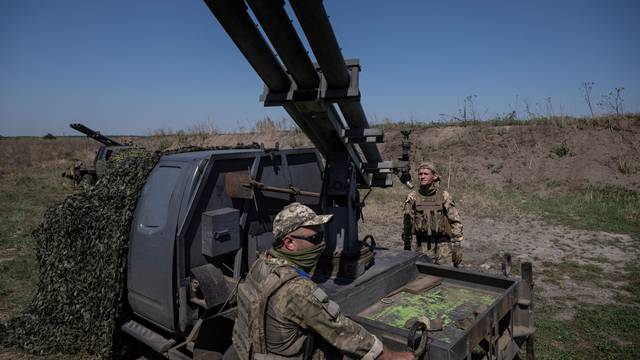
{"x":432,"y":217}
{"x":283,"y":314}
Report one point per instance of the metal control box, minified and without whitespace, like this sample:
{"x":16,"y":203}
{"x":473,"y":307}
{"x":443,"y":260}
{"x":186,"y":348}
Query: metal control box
{"x":220,"y":231}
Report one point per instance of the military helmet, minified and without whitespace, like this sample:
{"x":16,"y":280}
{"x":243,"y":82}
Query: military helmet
{"x":429,"y":165}
{"x":295,"y":216}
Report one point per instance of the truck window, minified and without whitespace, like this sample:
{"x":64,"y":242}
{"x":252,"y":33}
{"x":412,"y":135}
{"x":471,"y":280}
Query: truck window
{"x":161,"y":184}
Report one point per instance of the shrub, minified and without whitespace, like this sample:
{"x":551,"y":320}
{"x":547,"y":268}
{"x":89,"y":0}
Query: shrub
{"x":562,"y":150}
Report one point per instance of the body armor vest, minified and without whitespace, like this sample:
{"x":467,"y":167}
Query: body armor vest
{"x":430,"y":218}
{"x":261,"y":283}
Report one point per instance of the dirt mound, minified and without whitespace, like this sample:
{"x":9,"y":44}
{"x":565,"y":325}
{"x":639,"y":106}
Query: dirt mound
{"x":549,"y":157}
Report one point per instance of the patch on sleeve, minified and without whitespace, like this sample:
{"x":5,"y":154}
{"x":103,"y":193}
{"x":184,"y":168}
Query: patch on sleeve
{"x":329,"y":305}
{"x":332,"y":308}
{"x":320,"y":295}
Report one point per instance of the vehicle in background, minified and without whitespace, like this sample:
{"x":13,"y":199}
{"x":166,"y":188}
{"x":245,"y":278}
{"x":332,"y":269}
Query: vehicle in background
{"x":80,"y":173}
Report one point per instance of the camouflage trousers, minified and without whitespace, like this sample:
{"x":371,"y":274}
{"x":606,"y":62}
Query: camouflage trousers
{"x":440,"y":251}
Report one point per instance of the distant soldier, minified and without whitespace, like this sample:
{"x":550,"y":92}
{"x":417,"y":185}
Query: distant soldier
{"x":75,"y":172}
{"x":431,"y":215}
{"x":283,"y":314}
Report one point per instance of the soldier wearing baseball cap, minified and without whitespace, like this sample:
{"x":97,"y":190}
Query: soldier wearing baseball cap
{"x":283,"y":314}
{"x":293,"y":217}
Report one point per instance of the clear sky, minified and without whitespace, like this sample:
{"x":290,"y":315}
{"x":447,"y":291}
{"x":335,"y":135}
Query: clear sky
{"x":132,"y":67}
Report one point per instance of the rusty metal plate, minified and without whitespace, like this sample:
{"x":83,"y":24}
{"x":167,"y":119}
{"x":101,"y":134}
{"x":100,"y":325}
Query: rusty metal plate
{"x":235,"y":185}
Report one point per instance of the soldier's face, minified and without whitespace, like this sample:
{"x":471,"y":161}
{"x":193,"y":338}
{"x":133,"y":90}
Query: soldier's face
{"x":426,"y":177}
{"x":302,"y":238}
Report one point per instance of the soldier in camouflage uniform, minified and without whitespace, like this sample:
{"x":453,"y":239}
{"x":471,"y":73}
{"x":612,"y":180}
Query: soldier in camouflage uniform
{"x":431,"y":215}
{"x":75,"y":172}
{"x":283,"y":314}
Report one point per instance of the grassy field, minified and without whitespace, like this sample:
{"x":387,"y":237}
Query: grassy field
{"x":605,"y":208}
{"x":30,"y":182}
{"x":23,"y":200}
{"x":607,"y":331}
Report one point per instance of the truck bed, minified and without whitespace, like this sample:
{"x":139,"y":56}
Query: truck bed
{"x":476,"y":309}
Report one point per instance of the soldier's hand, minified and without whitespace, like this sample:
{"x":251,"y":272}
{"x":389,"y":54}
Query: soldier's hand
{"x":456,"y":254}
{"x":388,"y":354}
{"x":405,"y":355}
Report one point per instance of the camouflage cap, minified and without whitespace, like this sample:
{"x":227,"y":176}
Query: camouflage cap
{"x":294,"y":216}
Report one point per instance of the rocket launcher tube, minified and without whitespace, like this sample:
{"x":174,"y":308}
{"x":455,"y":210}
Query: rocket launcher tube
{"x":283,"y":37}
{"x":235,"y":20}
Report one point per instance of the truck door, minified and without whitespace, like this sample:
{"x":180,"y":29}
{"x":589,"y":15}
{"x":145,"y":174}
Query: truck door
{"x":150,"y":279}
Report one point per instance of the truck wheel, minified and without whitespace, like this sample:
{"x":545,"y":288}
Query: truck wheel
{"x":87,"y":181}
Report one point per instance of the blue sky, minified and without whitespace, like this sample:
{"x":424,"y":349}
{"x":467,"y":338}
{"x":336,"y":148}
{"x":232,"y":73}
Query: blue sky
{"x":132,"y":67}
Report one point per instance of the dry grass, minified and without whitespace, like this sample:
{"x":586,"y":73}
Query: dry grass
{"x":612,"y":122}
{"x":382,"y":215}
{"x":33,"y":154}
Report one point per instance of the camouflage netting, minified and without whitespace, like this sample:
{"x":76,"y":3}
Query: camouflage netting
{"x":81,"y":247}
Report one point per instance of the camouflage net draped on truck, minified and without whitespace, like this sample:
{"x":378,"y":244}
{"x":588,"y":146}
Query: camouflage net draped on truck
{"x":81,"y":247}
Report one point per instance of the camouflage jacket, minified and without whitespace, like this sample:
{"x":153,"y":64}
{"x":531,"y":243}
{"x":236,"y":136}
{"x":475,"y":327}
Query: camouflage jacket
{"x":299,"y":308}
{"x":450,"y":211}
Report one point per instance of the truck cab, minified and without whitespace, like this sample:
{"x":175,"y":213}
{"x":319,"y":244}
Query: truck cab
{"x":197,"y":228}
{"x":103,"y":155}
